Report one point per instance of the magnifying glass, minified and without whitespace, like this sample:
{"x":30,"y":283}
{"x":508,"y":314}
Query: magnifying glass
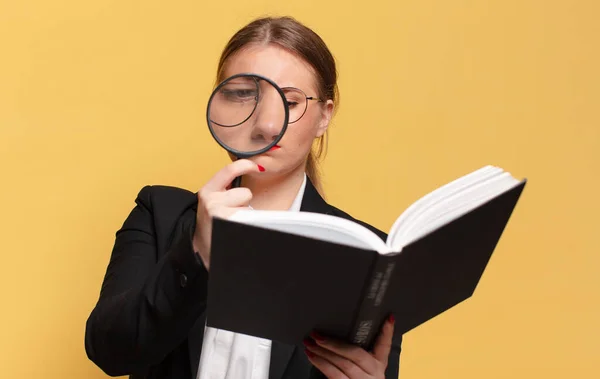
{"x":247,"y":115}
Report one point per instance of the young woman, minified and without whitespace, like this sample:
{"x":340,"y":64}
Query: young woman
{"x":149,"y":321}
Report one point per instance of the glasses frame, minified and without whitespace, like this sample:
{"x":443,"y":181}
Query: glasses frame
{"x":307,"y":98}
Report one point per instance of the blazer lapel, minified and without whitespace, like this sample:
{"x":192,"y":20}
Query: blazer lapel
{"x":280,"y":358}
{"x":196,"y":333}
{"x":312,"y":200}
{"x":195,"y":338}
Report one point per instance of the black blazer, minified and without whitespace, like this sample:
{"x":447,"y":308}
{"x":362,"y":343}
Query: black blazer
{"x":149,"y":319}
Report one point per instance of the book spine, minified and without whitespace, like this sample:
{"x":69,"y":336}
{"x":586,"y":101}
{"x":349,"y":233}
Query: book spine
{"x":370,"y":312}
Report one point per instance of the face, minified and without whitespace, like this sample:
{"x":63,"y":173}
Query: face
{"x":287,"y":70}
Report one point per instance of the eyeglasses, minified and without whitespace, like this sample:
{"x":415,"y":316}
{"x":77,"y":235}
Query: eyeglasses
{"x":297,"y":102}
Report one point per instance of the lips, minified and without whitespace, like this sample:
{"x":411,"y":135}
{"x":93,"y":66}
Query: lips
{"x":276,"y":147}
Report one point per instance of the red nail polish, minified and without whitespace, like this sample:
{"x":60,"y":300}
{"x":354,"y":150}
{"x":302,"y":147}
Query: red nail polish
{"x":309,"y":342}
{"x":317,"y":337}
{"x":260,"y":168}
{"x":309,"y":353}
{"x":391,"y":318}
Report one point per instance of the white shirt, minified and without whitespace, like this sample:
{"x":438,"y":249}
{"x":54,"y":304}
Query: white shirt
{"x":228,"y":355}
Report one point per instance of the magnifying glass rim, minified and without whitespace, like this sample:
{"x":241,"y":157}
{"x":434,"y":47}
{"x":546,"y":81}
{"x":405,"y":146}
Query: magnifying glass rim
{"x":245,"y":154}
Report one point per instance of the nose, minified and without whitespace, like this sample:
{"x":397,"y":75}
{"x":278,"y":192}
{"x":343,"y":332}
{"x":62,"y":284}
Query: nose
{"x":269,"y":117}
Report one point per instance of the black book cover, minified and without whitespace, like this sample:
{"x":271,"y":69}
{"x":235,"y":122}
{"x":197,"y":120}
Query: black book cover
{"x":281,"y":286}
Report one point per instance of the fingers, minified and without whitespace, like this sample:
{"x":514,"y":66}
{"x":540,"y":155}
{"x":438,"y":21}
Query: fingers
{"x":235,"y":197}
{"x":228,"y":173}
{"x":383,"y":344}
{"x":216,"y":200}
{"x":327,"y":368}
{"x":334,"y":365}
{"x":335,"y":358}
{"x":347,"y":353}
{"x":224,"y":204}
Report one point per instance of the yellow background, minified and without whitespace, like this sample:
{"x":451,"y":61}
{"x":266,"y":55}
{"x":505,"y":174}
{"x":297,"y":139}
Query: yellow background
{"x":98,"y":98}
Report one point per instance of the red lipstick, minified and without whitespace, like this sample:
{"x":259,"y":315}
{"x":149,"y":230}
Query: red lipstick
{"x":274,"y":148}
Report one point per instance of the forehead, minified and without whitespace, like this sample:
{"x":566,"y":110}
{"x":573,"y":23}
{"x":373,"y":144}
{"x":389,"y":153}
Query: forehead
{"x":276,"y":63}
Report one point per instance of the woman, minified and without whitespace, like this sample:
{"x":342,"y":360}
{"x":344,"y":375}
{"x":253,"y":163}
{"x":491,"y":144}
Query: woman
{"x":149,"y":321}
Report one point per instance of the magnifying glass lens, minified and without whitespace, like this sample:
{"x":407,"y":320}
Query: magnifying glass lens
{"x":247,"y":114}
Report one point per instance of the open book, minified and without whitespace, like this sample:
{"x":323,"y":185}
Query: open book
{"x":279,"y":275}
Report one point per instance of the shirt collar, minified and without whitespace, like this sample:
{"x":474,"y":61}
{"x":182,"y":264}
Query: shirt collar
{"x":298,"y":200}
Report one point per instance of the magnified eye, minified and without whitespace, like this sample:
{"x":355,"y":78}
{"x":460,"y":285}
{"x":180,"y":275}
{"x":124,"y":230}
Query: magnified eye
{"x":239,"y":94}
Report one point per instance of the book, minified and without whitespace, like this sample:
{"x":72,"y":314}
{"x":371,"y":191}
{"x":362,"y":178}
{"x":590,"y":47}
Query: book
{"x":279,"y":275}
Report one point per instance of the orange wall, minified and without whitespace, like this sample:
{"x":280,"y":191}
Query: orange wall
{"x":100,"y":98}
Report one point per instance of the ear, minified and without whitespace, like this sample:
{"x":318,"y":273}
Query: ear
{"x":326,"y":114}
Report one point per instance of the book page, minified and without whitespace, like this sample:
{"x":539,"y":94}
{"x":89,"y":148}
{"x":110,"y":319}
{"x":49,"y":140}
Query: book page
{"x":314,"y":225}
{"x":449,"y":203}
{"x":439,"y":194}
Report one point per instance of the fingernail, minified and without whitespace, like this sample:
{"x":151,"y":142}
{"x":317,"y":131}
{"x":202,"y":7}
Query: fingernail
{"x":308,"y":342}
{"x":260,"y":168}
{"x":317,"y":337}
{"x":391,"y":318}
{"x":309,"y":353}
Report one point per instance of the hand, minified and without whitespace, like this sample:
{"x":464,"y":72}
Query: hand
{"x":340,"y":360}
{"x":216,"y":199}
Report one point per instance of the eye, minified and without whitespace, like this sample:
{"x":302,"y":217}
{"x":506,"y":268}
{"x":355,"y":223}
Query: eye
{"x":292,"y":103}
{"x":239,"y":94}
